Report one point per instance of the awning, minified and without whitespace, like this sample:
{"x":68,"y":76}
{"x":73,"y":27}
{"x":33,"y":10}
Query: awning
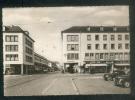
{"x":70,"y":62}
{"x":122,"y":64}
{"x":96,"y":64}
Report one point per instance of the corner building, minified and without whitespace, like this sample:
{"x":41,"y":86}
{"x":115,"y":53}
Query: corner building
{"x":100,"y":47}
{"x":18,"y":51}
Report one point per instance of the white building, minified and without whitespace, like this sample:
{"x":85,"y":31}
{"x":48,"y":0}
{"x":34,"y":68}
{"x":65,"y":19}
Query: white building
{"x":18,"y":51}
{"x":40,"y":63}
{"x":96,"y":47}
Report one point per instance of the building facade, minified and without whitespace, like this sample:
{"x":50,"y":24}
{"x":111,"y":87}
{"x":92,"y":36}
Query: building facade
{"x":101,"y":47}
{"x":18,"y":51}
{"x":41,"y":63}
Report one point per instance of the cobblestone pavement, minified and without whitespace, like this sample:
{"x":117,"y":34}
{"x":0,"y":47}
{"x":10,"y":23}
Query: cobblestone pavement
{"x":60,"y":84}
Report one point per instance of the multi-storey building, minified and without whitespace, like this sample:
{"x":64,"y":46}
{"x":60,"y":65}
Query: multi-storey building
{"x":18,"y":51}
{"x":41,"y":63}
{"x":96,"y":47}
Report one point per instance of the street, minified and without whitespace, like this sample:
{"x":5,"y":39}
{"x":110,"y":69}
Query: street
{"x":56,"y":83}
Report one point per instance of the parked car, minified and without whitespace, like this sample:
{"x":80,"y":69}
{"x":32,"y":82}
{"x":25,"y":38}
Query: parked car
{"x":123,"y":80}
{"x":111,"y":76}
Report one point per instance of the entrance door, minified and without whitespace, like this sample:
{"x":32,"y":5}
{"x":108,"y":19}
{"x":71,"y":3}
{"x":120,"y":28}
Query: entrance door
{"x":72,"y":68}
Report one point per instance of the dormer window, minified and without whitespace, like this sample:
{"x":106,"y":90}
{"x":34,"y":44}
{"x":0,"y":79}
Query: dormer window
{"x":101,"y":28}
{"x":88,"y":29}
{"x":27,"y":32}
{"x":114,"y":29}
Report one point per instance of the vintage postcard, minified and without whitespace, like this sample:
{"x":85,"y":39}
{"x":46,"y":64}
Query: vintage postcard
{"x":66,"y":50}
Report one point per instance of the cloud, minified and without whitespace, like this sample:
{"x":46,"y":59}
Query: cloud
{"x":112,"y":13}
{"x":46,"y":19}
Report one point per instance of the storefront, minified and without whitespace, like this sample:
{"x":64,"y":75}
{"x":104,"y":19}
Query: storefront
{"x":121,"y":66}
{"x":95,"y":68}
{"x":13,"y":69}
{"x":71,"y":67}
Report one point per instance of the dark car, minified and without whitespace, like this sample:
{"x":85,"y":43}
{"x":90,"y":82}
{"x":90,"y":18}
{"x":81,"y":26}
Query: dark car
{"x":123,"y":81}
{"x":111,"y":76}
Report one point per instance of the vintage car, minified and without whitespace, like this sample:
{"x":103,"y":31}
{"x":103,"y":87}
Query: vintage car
{"x":111,"y":76}
{"x":123,"y":80}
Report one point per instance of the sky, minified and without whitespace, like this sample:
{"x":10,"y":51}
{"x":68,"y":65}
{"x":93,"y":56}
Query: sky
{"x":46,"y":23}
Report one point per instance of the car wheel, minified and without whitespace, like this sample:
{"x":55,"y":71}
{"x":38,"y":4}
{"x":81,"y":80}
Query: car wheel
{"x":126,"y":84}
{"x":113,"y":79}
{"x":108,"y":78}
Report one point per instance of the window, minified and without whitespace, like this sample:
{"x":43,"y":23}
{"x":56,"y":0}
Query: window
{"x":112,"y":37}
{"x":72,"y":38}
{"x":119,"y":37}
{"x":7,"y":57}
{"x":11,"y":47}
{"x":104,"y":46}
{"x":76,"y":56}
{"x":88,"y":46}
{"x":120,"y":46}
{"x":7,"y":38}
{"x":28,"y":50}
{"x":112,"y":55}
{"x":126,"y":56}
{"x":97,"y":46}
{"x":16,"y":57}
{"x":16,"y":38}
{"x":101,"y":28}
{"x":91,"y":54}
{"x":126,"y":46}
{"x":72,"y":47}
{"x":116,"y":56}
{"x":86,"y":54}
{"x":112,"y":46}
{"x":88,"y":37}
{"x":68,"y":38}
{"x":72,"y":56}
{"x":7,"y":48}
{"x":114,"y":29}
{"x":126,"y":37}
{"x":68,"y":47}
{"x":104,"y":37}
{"x":12,"y":57}
{"x":11,"y":38}
{"x":106,"y":55}
{"x":28,"y":59}
{"x":121,"y":55}
{"x":101,"y":55}
{"x":96,"y":37}
{"x":97,"y":56}
{"x":28,"y":42}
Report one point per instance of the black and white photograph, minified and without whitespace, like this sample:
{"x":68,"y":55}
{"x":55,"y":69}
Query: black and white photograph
{"x":83,"y":50}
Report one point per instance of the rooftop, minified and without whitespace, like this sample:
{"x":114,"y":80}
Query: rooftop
{"x":15,"y":29}
{"x":96,"y":29}
{"x":36,"y":54}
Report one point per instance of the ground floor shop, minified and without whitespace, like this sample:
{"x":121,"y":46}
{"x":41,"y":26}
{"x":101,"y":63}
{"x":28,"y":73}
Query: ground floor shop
{"x":71,"y":67}
{"x":14,"y":69}
{"x":95,"y":67}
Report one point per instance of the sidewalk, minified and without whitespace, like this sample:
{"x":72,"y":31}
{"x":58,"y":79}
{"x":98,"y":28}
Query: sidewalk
{"x":13,"y":80}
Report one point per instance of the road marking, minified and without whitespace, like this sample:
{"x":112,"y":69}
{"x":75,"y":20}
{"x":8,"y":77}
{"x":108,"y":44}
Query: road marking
{"x":74,"y":86}
{"x":50,"y":85}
